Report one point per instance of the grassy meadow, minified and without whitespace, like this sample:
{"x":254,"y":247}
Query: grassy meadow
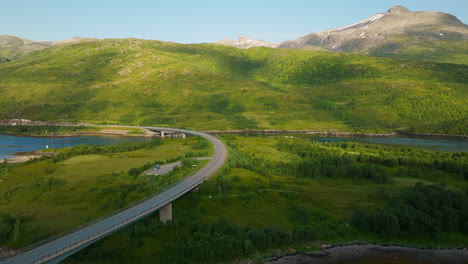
{"x":213,"y":87}
{"x":50,"y":195}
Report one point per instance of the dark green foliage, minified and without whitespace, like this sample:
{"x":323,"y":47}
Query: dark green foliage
{"x":232,"y":109}
{"x":97,"y":105}
{"x":328,"y":69}
{"x":299,"y":214}
{"x":317,"y":160}
{"x":196,"y":242}
{"x":326,"y":104}
{"x":242,"y":122}
{"x":47,"y":183}
{"x":4,"y":59}
{"x":221,"y":103}
{"x":324,"y":159}
{"x":420,"y":211}
{"x":128,"y":118}
{"x":6,"y":227}
{"x":214,"y":243}
{"x":41,"y":129}
{"x":66,"y":153}
{"x":452,"y":127}
{"x":117,"y":197}
{"x":201,"y":144}
{"x":239,"y":159}
{"x":188,"y":162}
{"x":334,"y":160}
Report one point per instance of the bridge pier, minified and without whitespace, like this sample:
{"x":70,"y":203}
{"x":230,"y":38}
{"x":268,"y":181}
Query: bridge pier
{"x":196,"y":189}
{"x":165,"y":214}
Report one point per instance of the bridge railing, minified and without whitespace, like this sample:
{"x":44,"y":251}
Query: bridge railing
{"x":106,"y":231}
{"x":97,"y":220}
{"x":99,"y":233}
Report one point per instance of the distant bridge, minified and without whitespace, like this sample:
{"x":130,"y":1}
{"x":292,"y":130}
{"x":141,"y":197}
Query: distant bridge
{"x":60,"y":248}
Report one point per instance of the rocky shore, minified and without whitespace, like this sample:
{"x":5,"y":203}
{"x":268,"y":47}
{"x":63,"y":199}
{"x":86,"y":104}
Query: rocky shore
{"x":367,"y":254}
{"x":6,"y":253}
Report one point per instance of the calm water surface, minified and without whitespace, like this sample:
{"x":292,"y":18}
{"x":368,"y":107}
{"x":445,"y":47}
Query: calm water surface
{"x":12,"y":144}
{"x":430,"y":143}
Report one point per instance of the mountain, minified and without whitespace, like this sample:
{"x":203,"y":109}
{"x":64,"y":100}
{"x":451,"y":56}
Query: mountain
{"x":215,"y":87}
{"x":398,"y":33}
{"x":244,"y":42}
{"x":12,"y":48}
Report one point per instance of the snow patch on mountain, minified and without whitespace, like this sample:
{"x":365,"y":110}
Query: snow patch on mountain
{"x":244,"y":42}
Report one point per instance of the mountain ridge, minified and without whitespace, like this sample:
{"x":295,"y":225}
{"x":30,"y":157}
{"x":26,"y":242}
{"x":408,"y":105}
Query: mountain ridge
{"x":13,"y":47}
{"x":398,"y":33}
{"x":244,"y":42}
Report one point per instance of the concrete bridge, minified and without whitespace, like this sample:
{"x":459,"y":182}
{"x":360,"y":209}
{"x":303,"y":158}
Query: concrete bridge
{"x":58,"y":249}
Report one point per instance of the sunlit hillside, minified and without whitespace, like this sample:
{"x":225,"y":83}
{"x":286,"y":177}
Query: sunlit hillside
{"x":213,"y":87}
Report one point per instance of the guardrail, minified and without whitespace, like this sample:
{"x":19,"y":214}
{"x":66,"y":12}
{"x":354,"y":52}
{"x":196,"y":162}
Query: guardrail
{"x":96,"y":233}
{"x":97,"y":220}
{"x":78,"y":238}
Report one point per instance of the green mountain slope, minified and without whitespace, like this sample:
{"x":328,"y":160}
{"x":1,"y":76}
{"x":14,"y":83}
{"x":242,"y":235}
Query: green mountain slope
{"x":208,"y":87}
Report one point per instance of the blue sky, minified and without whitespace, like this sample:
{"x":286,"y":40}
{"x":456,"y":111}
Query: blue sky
{"x":196,"y":21}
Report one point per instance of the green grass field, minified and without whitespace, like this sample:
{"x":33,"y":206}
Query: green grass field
{"x":47,"y":198}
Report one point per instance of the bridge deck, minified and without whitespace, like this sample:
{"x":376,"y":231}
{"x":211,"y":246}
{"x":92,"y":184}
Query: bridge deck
{"x":64,"y":246}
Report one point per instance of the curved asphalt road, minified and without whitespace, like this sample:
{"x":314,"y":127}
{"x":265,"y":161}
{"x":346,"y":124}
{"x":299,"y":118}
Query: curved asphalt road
{"x":63,"y":247}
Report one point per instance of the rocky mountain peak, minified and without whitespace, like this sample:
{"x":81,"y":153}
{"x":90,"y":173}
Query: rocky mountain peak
{"x":393,"y":34}
{"x":242,"y":37}
{"x":244,"y":42}
{"x":398,"y":9}
{"x":16,"y":47}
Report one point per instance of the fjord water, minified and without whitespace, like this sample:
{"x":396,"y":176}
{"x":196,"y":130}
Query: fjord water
{"x":447,"y":144}
{"x":12,"y":144}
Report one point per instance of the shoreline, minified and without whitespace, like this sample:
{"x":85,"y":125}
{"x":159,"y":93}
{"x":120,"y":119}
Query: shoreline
{"x":308,"y":132}
{"x":431,"y":135}
{"x":107,"y":130}
{"x":368,"y":253}
{"x":332,"y":133}
{"x":78,"y":134}
{"x":123,"y":133}
{"x":25,"y":156}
